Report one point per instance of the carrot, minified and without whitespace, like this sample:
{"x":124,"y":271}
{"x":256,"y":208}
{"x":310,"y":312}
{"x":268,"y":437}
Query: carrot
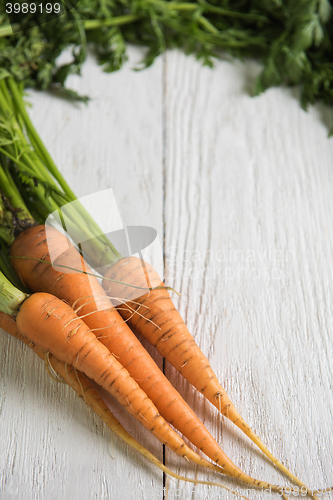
{"x":92,"y":398}
{"x":154,"y":316}
{"x":80,"y":291}
{"x":54,"y":327}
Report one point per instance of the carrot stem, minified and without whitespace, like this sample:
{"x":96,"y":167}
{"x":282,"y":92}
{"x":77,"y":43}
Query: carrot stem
{"x":12,"y":193}
{"x":91,"y":24}
{"x":36,"y":140}
{"x":10,"y":297}
{"x":88,"y":24}
{"x":34,"y":160}
{"x":6,"y":31}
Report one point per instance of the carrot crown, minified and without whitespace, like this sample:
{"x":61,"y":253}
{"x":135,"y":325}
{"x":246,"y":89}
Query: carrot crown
{"x":10,"y":297}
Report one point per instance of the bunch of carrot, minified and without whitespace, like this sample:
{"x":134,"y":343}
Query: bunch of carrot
{"x":84,"y":389}
{"x":89,"y":326}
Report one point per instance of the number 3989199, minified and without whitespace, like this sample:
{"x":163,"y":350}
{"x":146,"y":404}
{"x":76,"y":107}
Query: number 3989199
{"x":32,"y":8}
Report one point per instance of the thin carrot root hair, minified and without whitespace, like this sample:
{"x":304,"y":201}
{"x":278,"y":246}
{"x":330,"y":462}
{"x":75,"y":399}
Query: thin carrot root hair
{"x":95,"y":275}
{"x":49,"y":368}
{"x":105,"y":327}
{"x":95,"y":298}
{"x":102,"y":297}
{"x":134,"y":311}
{"x":118,"y":299}
{"x":84,"y":389}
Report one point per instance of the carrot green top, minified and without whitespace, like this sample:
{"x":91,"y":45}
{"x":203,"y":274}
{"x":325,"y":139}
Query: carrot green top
{"x":30,"y":183}
{"x":10,"y":297}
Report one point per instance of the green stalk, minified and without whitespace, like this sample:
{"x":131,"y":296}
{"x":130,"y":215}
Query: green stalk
{"x":93,"y":24}
{"x":181,"y":6}
{"x":11,"y":192}
{"x":8,"y":105}
{"x":222,"y":39}
{"x":6,"y":226}
{"x":10,"y":297}
{"x":89,"y":24}
{"x":229,"y":13}
{"x":209,"y":26}
{"x":36,"y":140}
{"x":75,"y":224}
{"x":29,"y":166}
{"x":6,"y":30}
{"x":38,"y":163}
{"x":190,"y":7}
{"x":7,"y":269}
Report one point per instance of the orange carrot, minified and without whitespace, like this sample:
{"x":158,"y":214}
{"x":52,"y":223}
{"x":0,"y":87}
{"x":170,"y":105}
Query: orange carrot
{"x":92,"y":398}
{"x":154,"y":316}
{"x":79,"y":290}
{"x":53,"y":326}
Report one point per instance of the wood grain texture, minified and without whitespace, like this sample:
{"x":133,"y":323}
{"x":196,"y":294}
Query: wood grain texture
{"x":249,"y":240}
{"x":241,"y":188}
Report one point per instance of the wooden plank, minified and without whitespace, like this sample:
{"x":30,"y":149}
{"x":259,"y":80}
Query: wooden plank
{"x":51,"y":446}
{"x":249,"y":240}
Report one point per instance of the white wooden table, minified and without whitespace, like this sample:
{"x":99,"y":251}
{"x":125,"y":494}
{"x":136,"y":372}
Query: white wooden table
{"x":240,"y":190}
